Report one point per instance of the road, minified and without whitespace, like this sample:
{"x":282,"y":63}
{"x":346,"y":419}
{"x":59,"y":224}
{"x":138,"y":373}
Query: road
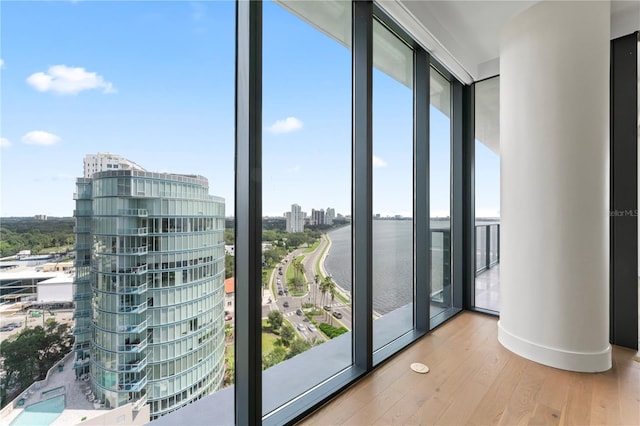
{"x":278,"y":282}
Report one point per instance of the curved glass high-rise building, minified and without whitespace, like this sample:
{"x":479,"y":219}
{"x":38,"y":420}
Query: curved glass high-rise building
{"x":149,"y":288}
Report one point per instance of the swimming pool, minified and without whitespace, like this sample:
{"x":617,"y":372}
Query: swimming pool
{"x":41,"y":413}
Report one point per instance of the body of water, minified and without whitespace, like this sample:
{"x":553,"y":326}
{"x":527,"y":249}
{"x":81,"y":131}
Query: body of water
{"x":392,"y":261}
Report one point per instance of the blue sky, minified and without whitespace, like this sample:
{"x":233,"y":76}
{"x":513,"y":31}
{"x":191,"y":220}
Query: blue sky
{"x":154,"y":82}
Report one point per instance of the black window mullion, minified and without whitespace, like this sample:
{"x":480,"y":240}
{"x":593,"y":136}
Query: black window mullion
{"x":421,"y":222}
{"x":362,"y":209}
{"x":457,"y":193}
{"x":248,"y":213}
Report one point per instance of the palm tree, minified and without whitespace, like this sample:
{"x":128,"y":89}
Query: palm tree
{"x":325,"y":287}
{"x":316,"y":281}
{"x":298,"y":268}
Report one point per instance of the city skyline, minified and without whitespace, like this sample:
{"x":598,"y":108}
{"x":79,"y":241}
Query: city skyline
{"x":166,"y":98}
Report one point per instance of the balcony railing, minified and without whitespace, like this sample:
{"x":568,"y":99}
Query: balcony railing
{"x":83,"y":212}
{"x":133,"y":231}
{"x":82,"y":346}
{"x":81,"y":313}
{"x":81,"y":362}
{"x":132,"y":386}
{"x":81,"y":296}
{"x":133,"y":328}
{"x":134,"y":212}
{"x":133,"y":270}
{"x":81,"y":229}
{"x":84,"y":246}
{"x":139,"y":289}
{"x":133,"y":309}
{"x":81,"y":330}
{"x":81,"y":196}
{"x":133,"y":347}
{"x":133,"y":366}
{"x":134,"y":250}
{"x":487,"y":246}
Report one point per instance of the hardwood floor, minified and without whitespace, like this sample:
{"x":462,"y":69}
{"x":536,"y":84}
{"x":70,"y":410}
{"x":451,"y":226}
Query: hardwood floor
{"x":474,"y":380}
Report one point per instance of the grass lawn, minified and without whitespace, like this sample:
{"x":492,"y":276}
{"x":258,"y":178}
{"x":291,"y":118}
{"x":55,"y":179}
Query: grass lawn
{"x":312,"y":247}
{"x":268,"y":340}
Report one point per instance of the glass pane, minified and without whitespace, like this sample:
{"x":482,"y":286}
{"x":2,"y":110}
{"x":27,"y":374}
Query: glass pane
{"x":487,"y":196}
{"x":392,"y":186}
{"x":306,"y":196}
{"x":124,"y":113}
{"x":440,"y":192}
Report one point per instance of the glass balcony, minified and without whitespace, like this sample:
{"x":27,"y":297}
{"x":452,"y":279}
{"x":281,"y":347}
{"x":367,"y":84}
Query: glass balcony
{"x":81,"y":229}
{"x":134,"y":366}
{"x":487,"y":269}
{"x":133,"y":328}
{"x":134,"y":250}
{"x":137,"y":270}
{"x":82,"y":247}
{"x":133,"y":347}
{"x":83,"y":212}
{"x":81,"y":362}
{"x":81,"y":296}
{"x":81,"y":346}
{"x":133,"y":309}
{"x":132,"y":289}
{"x":132,"y":385}
{"x":82,"y":313}
{"x":81,"y":330}
{"x":133,"y":231}
{"x":133,"y":212}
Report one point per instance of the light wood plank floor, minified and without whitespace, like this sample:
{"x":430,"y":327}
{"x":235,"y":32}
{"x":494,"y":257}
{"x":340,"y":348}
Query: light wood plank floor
{"x":474,"y":380}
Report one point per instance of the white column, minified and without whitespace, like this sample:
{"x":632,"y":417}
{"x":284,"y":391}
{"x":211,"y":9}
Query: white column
{"x":554,"y":151}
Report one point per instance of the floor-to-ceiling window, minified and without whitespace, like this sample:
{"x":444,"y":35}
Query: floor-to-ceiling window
{"x":392,"y":186}
{"x":306,"y":201}
{"x":440,"y":192}
{"x":487,"y":194}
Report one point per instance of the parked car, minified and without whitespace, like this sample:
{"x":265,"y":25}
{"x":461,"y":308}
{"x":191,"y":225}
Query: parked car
{"x":299,"y":312}
{"x":312,"y":327}
{"x":327,"y":308}
{"x":337,"y":315}
{"x":301,"y":327}
{"x":285,"y":304}
{"x":280,"y":293}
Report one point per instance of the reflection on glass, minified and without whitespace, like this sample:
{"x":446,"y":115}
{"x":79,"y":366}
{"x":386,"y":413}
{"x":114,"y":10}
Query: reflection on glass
{"x":440,"y":192}
{"x":487,"y":195}
{"x":392,"y":186}
{"x":306,"y":196}
{"x":139,"y":112}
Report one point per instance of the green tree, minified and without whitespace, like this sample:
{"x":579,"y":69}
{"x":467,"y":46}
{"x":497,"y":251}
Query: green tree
{"x":297,"y":347}
{"x":229,"y":265}
{"x":277,"y":355}
{"x":287,"y":335}
{"x":31,"y":353}
{"x":275,"y":319}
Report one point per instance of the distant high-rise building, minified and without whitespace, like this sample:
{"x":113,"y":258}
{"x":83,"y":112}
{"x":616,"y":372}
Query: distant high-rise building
{"x":40,"y":217}
{"x":149,"y":287}
{"x":329,"y":216}
{"x":104,"y":161}
{"x":317,"y":217}
{"x":295,"y":219}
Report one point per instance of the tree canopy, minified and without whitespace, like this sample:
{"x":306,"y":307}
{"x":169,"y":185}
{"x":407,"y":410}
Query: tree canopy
{"x":28,"y":356}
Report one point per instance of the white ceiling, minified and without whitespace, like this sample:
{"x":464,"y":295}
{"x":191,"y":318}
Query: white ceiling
{"x":464,"y":35}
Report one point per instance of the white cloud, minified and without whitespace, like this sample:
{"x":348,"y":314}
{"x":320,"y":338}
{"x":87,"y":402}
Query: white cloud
{"x":38,"y":137}
{"x":4,"y":143}
{"x":294,"y":169}
{"x":289,"y":124}
{"x":68,"y":80}
{"x":379,"y":162}
{"x":1,"y":63}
